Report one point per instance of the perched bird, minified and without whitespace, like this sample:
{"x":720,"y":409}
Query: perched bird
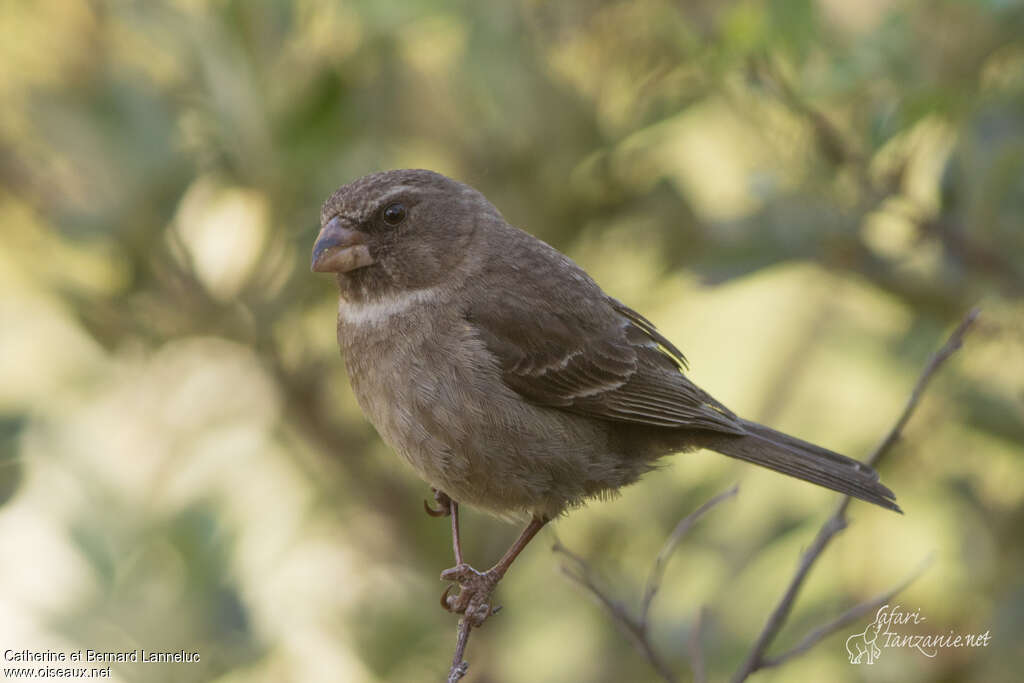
{"x":504,"y":374}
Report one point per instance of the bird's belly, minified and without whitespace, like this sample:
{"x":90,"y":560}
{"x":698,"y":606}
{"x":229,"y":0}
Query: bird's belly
{"x":444,"y":409}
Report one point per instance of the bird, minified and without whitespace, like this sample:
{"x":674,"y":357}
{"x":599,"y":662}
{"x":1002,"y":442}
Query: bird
{"x":507,"y":378}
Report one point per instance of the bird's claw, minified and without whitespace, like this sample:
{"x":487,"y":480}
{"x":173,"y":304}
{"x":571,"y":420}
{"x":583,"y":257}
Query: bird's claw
{"x":435,"y":512}
{"x":462,"y":574}
{"x":473,"y":598}
{"x":445,"y":597}
{"x":444,"y":505}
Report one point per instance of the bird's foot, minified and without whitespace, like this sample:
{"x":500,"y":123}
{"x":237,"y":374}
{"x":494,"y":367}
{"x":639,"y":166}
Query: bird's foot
{"x":473,"y":598}
{"x":444,"y":505}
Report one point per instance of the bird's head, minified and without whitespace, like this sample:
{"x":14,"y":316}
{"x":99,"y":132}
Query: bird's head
{"x":397,"y":231}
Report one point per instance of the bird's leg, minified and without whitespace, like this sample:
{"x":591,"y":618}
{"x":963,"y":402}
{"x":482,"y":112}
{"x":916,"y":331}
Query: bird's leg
{"x":476,"y":587}
{"x":456,"y":539}
{"x":449,"y":507}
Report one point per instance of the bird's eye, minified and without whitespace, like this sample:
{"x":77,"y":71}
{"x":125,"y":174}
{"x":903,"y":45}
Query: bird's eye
{"x":394,"y":213}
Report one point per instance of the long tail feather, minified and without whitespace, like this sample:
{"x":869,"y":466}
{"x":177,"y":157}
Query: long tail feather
{"x":798,"y":458}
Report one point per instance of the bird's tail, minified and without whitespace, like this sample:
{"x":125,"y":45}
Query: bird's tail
{"x":787,"y":454}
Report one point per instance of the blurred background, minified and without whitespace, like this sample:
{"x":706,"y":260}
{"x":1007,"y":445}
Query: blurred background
{"x":806,"y":196}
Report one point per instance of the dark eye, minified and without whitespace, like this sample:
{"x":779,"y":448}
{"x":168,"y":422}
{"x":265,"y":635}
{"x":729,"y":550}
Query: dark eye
{"x":394,"y":213}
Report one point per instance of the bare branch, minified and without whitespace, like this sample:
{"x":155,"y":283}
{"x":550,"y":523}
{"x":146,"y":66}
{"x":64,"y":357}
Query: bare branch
{"x":459,"y":665}
{"x":850,"y":616}
{"x":582,"y":574}
{"x":832,"y":526}
{"x":637,"y":628}
{"x":953,"y":344}
{"x":837,"y":521}
{"x":661,"y":561}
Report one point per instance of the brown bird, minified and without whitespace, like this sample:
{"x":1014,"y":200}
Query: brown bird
{"x":504,"y":374}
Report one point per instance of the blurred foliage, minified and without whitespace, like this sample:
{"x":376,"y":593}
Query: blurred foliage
{"x":804,"y":195}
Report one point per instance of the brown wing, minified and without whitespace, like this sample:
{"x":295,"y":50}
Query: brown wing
{"x":596,"y":358}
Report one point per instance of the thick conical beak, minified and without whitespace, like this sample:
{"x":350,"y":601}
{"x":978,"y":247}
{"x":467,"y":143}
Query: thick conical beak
{"x":339,"y":249}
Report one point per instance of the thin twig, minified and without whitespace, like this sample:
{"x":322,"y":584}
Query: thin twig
{"x":583,"y":575}
{"x":637,"y":628}
{"x":837,"y":521}
{"x":661,"y":561}
{"x":850,"y":616}
{"x":955,"y":341}
{"x":459,"y":665}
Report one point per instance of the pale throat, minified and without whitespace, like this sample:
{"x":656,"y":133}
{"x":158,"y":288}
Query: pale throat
{"x":374,"y":311}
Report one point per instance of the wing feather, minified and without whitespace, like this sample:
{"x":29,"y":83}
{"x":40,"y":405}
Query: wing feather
{"x":605,"y":361}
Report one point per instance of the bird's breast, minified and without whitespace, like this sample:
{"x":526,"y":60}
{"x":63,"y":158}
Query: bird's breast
{"x":419,"y":379}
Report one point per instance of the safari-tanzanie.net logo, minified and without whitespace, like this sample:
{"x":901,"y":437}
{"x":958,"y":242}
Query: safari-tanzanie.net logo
{"x":884,"y":633}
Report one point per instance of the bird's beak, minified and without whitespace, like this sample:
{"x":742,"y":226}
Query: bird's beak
{"x":339,"y":249}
